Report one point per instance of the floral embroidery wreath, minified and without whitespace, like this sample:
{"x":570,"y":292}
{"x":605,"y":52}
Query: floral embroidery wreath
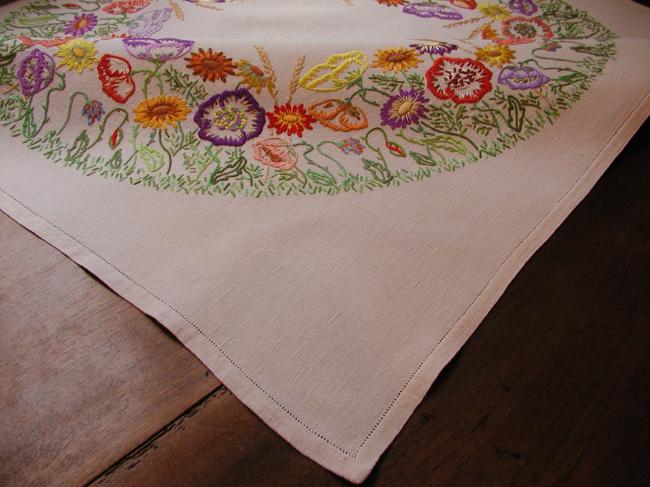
{"x":170,"y":114}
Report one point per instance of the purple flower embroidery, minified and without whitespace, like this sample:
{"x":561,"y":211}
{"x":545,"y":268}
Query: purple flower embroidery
{"x":523,"y":7}
{"x":36,"y":72}
{"x":404,"y":108}
{"x":149,"y":23}
{"x":425,"y":46}
{"x":522,"y":77}
{"x":428,"y":10}
{"x":93,"y":110}
{"x":230,"y":118}
{"x":156,"y":49}
{"x":81,"y":24}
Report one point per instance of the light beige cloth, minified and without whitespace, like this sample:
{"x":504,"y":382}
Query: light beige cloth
{"x":325,"y":213}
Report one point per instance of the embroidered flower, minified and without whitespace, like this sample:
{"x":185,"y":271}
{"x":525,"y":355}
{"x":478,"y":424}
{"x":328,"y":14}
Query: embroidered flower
{"x":210,"y":65}
{"x":351,"y":146}
{"x":77,"y":54}
{"x":160,"y":112}
{"x":230,"y":118}
{"x":125,"y":7}
{"x":159,"y":50}
{"x":339,"y":115}
{"x":276,"y":153}
{"x":426,"y":46}
{"x":522,"y":30}
{"x":396,"y":59}
{"x":115,"y":76}
{"x":81,"y":24}
{"x":495,"y":55}
{"x":147,"y":24}
{"x":551,"y":46}
{"x":253,"y":76}
{"x":461,"y":80}
{"x":429,"y":10}
{"x":522,"y":77}
{"x":488,"y":33}
{"x":93,"y":111}
{"x":404,"y":108}
{"x":523,"y":7}
{"x":494,"y":11}
{"x":390,"y":3}
{"x":292,"y":119}
{"x":336,"y":73}
{"x":35,"y":72}
{"x":468,"y":4}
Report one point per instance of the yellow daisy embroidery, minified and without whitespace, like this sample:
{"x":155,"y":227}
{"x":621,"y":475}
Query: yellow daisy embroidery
{"x":78,"y":54}
{"x":160,"y":112}
{"x":494,"y":11}
{"x":495,"y":55}
{"x":396,"y":59}
{"x":252,"y":76}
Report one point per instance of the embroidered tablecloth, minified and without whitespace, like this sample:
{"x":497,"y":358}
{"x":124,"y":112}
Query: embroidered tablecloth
{"x":320,"y":198}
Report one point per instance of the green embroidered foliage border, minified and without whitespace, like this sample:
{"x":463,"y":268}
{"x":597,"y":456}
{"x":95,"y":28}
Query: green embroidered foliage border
{"x":438,"y":110}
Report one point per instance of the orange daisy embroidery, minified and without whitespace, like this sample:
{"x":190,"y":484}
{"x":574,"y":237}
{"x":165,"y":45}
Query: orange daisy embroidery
{"x":210,"y":65}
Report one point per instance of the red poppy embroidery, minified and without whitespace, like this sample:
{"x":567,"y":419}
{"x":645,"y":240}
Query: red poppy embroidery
{"x":523,"y":30}
{"x":462,"y":80}
{"x":115,"y":75}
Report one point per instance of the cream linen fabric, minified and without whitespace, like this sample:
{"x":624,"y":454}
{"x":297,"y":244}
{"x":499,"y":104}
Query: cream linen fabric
{"x":331,"y":316}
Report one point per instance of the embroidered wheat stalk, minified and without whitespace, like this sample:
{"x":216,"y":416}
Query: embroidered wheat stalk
{"x":463,"y":22}
{"x":273,"y":78}
{"x":177,"y":10}
{"x":295,"y":76}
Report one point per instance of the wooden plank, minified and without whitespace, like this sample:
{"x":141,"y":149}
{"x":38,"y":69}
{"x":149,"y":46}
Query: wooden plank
{"x":553,"y":387}
{"x":85,"y":377}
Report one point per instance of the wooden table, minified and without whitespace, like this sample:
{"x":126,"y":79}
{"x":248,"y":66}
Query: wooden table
{"x":93,"y":391}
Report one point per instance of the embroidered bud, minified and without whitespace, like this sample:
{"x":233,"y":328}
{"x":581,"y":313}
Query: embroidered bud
{"x":395,"y":149}
{"x":115,"y":138}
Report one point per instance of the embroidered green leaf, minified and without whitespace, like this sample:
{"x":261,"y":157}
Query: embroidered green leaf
{"x":191,"y":89}
{"x":28,"y":128}
{"x":446,"y":143}
{"x":378,"y":170}
{"x":321,"y":178}
{"x":388,"y":82}
{"x":151,"y":158}
{"x":7,"y":59}
{"x":79,"y":146}
{"x":516,"y":114}
{"x":233,"y":168}
{"x":115,"y":162}
{"x":594,"y":51}
{"x":423,"y":159}
{"x":36,"y":21}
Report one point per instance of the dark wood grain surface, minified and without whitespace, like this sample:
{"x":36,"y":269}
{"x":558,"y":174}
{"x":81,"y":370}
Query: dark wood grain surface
{"x":85,"y":377}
